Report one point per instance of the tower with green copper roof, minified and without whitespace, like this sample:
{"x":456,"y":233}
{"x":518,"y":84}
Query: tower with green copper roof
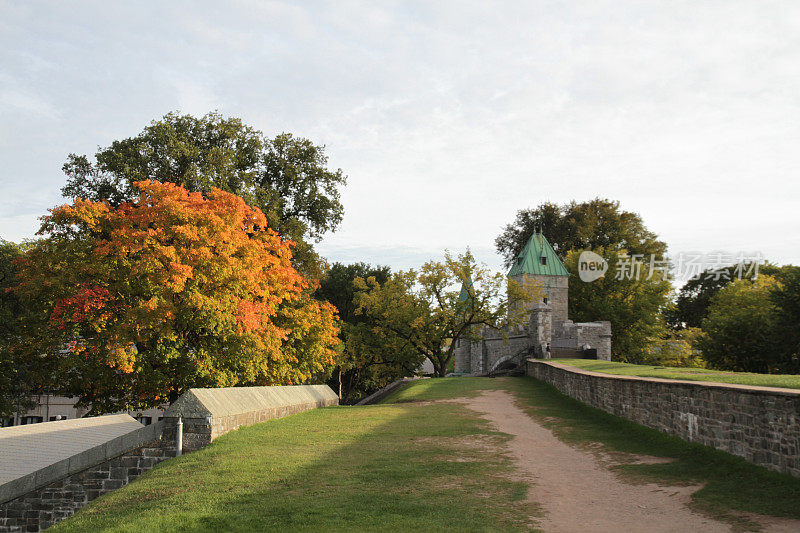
{"x":539,"y":261}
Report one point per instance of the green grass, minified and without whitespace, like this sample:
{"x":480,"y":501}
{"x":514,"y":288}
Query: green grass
{"x":731,"y":483}
{"x":387,"y":467}
{"x":789,"y":381}
{"x":409,"y":464}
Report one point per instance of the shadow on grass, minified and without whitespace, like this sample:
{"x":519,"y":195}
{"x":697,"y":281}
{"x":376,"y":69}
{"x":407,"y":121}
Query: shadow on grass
{"x":385,"y":467}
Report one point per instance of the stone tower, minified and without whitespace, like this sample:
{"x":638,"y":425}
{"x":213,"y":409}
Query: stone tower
{"x":539,"y":261}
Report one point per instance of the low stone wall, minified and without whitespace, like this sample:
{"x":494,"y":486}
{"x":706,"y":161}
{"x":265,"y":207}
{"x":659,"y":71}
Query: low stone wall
{"x":63,"y":496}
{"x":759,"y":424}
{"x":209,"y":413}
{"x":379,"y":395}
{"x":55,"y":468}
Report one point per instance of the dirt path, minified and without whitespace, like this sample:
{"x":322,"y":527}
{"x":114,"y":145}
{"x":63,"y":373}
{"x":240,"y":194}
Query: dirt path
{"x":577,"y":493}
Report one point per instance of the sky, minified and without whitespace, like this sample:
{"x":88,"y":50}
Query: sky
{"x":447,"y":117}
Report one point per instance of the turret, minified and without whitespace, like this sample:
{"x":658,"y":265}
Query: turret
{"x":539,"y":261}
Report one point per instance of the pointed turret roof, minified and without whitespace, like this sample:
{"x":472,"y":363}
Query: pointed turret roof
{"x":530,"y":262}
{"x":467,"y":292}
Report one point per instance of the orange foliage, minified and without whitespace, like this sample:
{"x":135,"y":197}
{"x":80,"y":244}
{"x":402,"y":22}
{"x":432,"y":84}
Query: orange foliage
{"x":194,"y":290}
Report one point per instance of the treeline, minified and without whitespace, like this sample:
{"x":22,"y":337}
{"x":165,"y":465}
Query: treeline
{"x":716,"y":319}
{"x":185,"y":258}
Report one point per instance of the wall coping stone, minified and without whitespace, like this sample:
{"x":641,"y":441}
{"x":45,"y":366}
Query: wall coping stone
{"x":752,"y":389}
{"x":231,"y":401}
{"x":81,"y":461}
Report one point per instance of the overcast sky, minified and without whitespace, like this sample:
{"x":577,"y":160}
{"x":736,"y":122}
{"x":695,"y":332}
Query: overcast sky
{"x":447,"y":117}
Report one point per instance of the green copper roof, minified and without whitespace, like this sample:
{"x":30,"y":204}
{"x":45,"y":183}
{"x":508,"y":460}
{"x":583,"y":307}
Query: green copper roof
{"x":530,"y":260}
{"x":467,"y":291}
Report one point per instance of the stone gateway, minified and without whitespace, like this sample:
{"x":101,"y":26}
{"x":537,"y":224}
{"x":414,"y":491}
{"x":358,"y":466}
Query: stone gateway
{"x":548,"y":331}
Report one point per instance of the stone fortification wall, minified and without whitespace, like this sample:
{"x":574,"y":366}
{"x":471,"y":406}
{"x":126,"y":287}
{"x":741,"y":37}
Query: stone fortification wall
{"x":759,"y":424}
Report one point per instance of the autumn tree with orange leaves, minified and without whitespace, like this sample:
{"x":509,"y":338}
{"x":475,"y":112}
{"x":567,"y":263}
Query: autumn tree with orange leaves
{"x":132,"y":305}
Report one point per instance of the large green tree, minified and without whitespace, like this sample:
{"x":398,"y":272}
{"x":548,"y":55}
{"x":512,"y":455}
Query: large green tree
{"x":598,"y":223}
{"x":633,"y":304}
{"x":740,"y":330}
{"x":286,"y":177}
{"x":369,"y":359}
{"x":425,"y":309}
{"x":694,"y":297}
{"x":786,"y":298}
{"x":629,"y":295}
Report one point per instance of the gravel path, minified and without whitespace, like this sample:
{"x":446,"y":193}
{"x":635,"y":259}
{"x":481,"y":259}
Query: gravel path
{"x":578,"y":493}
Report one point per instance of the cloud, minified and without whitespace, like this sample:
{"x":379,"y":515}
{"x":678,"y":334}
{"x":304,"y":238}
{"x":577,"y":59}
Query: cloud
{"x":448,"y":116}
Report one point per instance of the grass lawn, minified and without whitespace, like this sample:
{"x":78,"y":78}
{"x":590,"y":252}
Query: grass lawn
{"x":403,"y":467}
{"x":789,"y":381}
{"x":407,"y":464}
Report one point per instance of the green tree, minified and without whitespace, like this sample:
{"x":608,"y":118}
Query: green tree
{"x":369,"y":359}
{"x":18,"y":379}
{"x":598,"y":223}
{"x":424,"y":309}
{"x":693,"y":299}
{"x":286,"y":177}
{"x":786,"y":298}
{"x":632,"y":302}
{"x":739,"y":332}
{"x":337,"y":287}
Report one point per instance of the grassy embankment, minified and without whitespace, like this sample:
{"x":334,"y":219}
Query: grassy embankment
{"x":789,"y":381}
{"x":408,"y":464}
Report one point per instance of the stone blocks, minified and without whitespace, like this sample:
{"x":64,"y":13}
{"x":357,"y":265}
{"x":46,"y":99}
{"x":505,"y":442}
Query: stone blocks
{"x":759,"y":424}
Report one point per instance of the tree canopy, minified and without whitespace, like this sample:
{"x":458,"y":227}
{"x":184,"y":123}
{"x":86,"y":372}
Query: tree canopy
{"x":286,"y":177}
{"x":633,"y":304}
{"x":424,"y":308}
{"x":369,"y":359}
{"x":693,"y":299}
{"x":18,"y":376}
{"x":598,"y":223}
{"x":786,"y":298}
{"x":739,"y":332}
{"x":133,"y":304}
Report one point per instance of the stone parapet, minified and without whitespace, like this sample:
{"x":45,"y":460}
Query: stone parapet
{"x":759,"y":424}
{"x":209,"y":413}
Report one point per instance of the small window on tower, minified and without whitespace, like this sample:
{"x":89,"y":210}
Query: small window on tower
{"x":544,"y":260}
{"x":545,"y":299}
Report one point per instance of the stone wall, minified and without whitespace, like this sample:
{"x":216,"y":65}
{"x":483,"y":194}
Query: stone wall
{"x":71,"y":463}
{"x":499,"y":349}
{"x":210,"y":413}
{"x":575,"y":335}
{"x":43,"y":507}
{"x":759,"y":424}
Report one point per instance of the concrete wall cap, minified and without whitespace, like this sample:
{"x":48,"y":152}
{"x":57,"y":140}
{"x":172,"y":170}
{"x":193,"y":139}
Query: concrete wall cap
{"x":228,"y":401}
{"x":40,"y":454}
